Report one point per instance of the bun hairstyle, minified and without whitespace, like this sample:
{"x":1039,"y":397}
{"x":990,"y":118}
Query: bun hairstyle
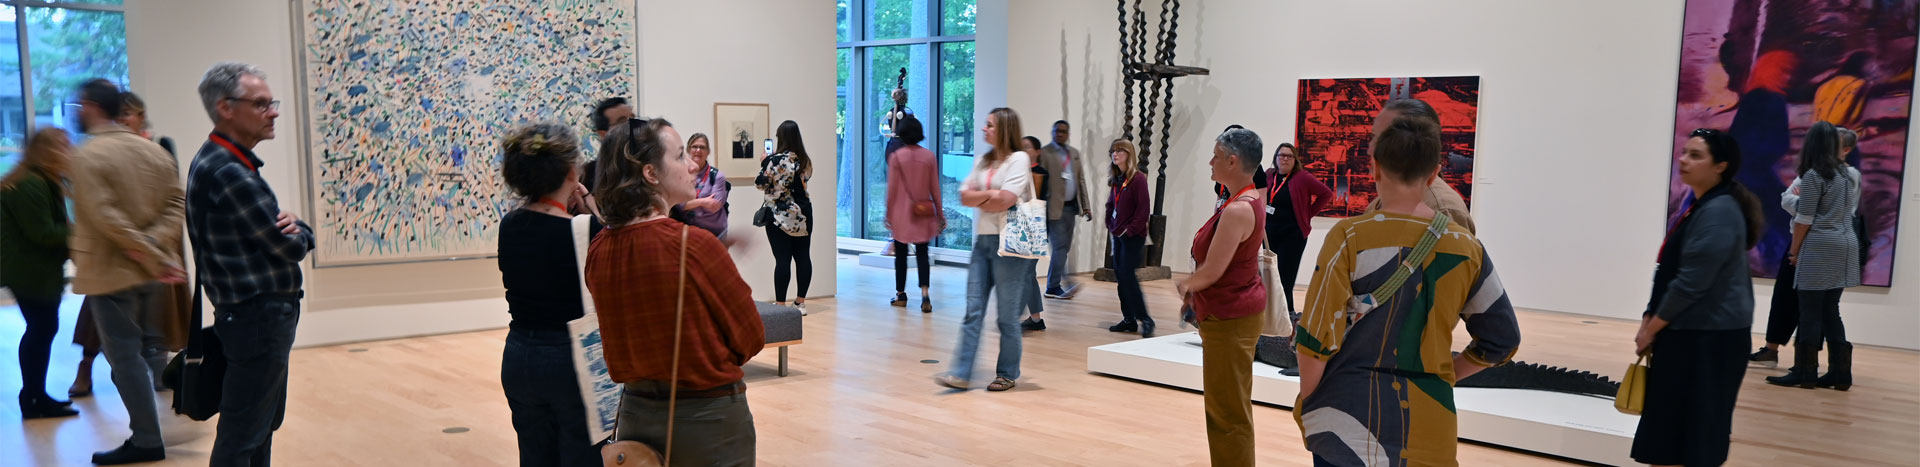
{"x":537,"y":158}
{"x":620,"y":184}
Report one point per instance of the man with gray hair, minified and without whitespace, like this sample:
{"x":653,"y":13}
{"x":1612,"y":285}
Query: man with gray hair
{"x":248,"y":252}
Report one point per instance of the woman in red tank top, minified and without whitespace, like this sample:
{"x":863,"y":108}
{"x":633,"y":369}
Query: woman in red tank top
{"x":1226,"y":297}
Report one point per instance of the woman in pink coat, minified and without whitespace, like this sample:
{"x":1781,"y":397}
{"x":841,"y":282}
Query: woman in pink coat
{"x":914,"y":212}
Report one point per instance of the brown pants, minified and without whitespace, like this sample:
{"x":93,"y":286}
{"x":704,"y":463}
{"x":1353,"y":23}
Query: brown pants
{"x":1227,"y":383}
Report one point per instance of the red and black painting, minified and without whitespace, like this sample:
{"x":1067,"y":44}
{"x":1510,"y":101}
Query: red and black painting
{"x":1336,"y":121}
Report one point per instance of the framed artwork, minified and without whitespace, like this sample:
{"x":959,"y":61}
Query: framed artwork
{"x":405,"y":104}
{"x":1765,"y":72}
{"x":1335,"y":124}
{"x":739,"y":140}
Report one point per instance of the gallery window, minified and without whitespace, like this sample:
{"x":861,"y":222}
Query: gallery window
{"x":66,"y":43}
{"x":932,"y":40}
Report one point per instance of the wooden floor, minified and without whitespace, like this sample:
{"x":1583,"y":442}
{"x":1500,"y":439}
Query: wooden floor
{"x":860,"y":395}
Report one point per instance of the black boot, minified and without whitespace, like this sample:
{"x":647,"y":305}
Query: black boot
{"x":1839,"y":368}
{"x":1146,"y":328}
{"x":1806,"y":368}
{"x":127,"y":453}
{"x":35,"y":406}
{"x":1124,"y":326}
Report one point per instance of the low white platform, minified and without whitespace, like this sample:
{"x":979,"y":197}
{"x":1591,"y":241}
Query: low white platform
{"x":1565,"y":425}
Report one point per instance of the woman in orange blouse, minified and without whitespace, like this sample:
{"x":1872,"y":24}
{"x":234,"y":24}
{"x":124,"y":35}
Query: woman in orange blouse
{"x":634,"y":270}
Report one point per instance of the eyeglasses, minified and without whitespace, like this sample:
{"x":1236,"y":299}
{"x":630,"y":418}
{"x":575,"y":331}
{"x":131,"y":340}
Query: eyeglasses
{"x":1703,"y":132}
{"x":262,"y":105}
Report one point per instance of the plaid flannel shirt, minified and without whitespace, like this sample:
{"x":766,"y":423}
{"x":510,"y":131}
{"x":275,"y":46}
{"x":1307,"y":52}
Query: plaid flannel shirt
{"x":232,"y":217}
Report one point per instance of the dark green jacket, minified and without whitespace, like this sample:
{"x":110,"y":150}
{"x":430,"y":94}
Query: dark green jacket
{"x":33,"y":238}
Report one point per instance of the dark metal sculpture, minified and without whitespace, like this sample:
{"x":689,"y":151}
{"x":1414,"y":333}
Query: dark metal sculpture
{"x":1149,"y":91}
{"x":1279,"y":352}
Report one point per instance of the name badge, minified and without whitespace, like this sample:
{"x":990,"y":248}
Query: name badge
{"x":1269,"y":210}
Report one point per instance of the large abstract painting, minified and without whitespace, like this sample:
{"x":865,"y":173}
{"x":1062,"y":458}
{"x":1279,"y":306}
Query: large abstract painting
{"x":1336,"y":122}
{"x":407,"y":102}
{"x":1766,"y":71}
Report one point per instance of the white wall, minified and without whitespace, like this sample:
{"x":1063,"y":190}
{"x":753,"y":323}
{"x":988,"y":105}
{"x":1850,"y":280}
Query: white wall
{"x":694,"y":54}
{"x":1576,"y":109}
{"x":688,"y":63}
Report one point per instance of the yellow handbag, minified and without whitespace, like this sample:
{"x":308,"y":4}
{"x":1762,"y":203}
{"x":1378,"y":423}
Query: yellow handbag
{"x":1633,"y":388}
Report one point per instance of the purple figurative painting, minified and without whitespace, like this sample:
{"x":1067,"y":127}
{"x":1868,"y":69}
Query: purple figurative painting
{"x":1766,"y":71}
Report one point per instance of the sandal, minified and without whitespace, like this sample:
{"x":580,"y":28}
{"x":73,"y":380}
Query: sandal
{"x":1000,"y":384}
{"x":950,"y":381}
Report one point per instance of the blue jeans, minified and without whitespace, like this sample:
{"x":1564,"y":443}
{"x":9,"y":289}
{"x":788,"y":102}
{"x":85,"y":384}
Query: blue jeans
{"x":257,"y":336}
{"x":550,"y":419}
{"x":130,"y":337}
{"x":986,"y":272}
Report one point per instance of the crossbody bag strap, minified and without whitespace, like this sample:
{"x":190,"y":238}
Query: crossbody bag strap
{"x":673,"y":378}
{"x":1421,"y":251}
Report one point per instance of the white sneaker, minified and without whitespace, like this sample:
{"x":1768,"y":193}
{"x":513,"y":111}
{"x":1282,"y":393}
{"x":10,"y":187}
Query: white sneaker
{"x":802,"y":306}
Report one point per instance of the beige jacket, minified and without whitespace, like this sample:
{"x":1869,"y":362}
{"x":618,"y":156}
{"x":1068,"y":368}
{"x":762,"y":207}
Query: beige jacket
{"x":126,"y":197}
{"x":1441,"y":197}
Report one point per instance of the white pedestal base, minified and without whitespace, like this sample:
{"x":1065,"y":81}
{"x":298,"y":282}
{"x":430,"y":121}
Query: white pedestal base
{"x":1565,"y":425}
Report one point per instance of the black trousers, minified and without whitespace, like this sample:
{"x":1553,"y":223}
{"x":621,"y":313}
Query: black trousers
{"x":789,"y":253}
{"x":1785,"y":315}
{"x":921,"y":259}
{"x":1289,"y":246}
{"x":1819,"y":322}
{"x":1693,"y":382}
{"x":549,"y":417}
{"x":36,"y":344}
{"x":1127,"y":255}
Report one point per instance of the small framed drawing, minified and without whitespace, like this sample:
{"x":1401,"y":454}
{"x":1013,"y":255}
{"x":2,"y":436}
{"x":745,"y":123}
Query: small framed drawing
{"x":740,"y":131}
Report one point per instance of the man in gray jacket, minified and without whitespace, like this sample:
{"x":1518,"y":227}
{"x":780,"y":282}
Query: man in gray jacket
{"x":1066,"y":199}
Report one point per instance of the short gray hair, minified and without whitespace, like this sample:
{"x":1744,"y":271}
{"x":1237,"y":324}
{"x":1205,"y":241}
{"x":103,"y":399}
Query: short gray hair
{"x":222,"y":82}
{"x":1848,"y":139}
{"x":1244,"y":144}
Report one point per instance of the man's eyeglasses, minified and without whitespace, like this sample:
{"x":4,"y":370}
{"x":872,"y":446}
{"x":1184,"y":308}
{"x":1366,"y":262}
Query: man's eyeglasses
{"x":1703,"y":132}
{"x":259,"y":104}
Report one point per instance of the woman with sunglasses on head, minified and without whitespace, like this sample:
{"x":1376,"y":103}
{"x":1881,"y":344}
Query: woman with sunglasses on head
{"x":1695,"y":331}
{"x":783,"y":179}
{"x":708,"y":210}
{"x":1294,"y":197}
{"x":670,"y":302}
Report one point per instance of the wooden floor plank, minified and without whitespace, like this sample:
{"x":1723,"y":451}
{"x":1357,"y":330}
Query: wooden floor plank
{"x":859,"y":395}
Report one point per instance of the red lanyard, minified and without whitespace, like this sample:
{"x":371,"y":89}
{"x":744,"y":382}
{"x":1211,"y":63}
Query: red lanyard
{"x":1274,"y":182}
{"x":705,"y":177}
{"x":231,"y":149}
{"x":1235,"y":196}
{"x":555,"y":204}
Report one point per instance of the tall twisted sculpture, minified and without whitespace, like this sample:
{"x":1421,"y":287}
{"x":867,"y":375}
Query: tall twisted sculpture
{"x":1149,"y":90}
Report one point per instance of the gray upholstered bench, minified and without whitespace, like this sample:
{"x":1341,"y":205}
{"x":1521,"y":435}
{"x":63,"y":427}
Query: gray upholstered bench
{"x":783,"y":328}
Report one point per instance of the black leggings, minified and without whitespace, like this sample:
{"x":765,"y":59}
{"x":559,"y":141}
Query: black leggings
{"x":1288,"y":247}
{"x":900,"y":266}
{"x":36,"y":345}
{"x":789,"y":249}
